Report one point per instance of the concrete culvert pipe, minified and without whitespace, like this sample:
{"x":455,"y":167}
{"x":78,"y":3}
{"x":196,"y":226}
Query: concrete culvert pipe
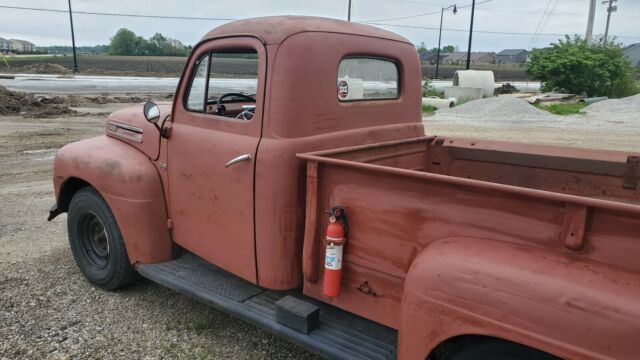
{"x":438,"y":103}
{"x":476,"y":79}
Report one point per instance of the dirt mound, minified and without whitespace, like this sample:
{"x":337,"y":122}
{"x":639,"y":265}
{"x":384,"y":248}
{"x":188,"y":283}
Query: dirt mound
{"x":17,"y":103}
{"x":127,"y":98}
{"x":45,"y":68}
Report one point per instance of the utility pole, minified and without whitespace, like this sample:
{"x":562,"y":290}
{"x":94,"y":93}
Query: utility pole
{"x":588,"y":37}
{"x":349,"y":12}
{"x":455,"y":11}
{"x":473,"y":8}
{"x":610,"y":8}
{"x":73,"y":41}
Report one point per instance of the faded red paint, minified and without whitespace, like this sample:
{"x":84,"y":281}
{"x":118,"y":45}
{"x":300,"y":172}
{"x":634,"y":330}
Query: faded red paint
{"x":535,"y":244}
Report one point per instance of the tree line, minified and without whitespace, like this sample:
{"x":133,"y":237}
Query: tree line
{"x":126,"y":42}
{"x":422,"y":49}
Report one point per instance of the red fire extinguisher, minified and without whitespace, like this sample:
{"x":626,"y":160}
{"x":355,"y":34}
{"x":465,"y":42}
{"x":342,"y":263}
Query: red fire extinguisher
{"x":334,"y":242}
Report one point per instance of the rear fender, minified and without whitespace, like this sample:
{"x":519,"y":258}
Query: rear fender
{"x":556,"y":302}
{"x":129,"y":183}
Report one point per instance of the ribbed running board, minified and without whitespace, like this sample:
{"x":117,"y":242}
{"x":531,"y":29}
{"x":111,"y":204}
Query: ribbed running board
{"x":341,"y":335}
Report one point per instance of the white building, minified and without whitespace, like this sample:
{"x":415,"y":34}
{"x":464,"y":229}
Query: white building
{"x":22,"y":46}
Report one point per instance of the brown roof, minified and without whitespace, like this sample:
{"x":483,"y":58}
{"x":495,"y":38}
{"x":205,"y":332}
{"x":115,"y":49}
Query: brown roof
{"x":275,"y":29}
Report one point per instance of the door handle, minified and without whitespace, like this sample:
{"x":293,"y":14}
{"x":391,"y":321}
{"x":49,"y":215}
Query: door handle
{"x":237,"y":159}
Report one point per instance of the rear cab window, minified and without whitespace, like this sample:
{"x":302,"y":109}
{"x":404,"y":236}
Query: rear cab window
{"x":367,"y":78}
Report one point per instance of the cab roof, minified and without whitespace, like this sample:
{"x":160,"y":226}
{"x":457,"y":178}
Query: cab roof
{"x":275,"y":29}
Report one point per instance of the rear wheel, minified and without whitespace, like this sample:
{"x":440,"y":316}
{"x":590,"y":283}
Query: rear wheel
{"x":480,"y":348}
{"x":96,"y":242}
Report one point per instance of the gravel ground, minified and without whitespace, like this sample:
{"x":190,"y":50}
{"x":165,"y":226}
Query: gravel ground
{"x":604,"y":125}
{"x":47,"y":308}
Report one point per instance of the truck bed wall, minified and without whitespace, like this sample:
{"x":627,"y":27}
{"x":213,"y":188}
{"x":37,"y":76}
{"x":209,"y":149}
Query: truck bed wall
{"x":395,"y":215}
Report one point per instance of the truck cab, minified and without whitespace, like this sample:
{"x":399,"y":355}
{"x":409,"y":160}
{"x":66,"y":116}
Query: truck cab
{"x":206,"y":195}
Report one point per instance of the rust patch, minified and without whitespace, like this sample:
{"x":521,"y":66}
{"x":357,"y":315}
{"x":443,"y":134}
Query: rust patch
{"x":632,"y":173}
{"x":111,"y":167}
{"x":366,"y":289}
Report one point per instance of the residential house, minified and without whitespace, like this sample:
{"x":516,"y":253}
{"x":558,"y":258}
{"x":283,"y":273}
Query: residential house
{"x":483,"y":58}
{"x":430,"y":57}
{"x":455,"y":58}
{"x":477,"y":58}
{"x":21,"y":46}
{"x":512,"y":56}
{"x":632,"y":52}
{"x":5,"y":46}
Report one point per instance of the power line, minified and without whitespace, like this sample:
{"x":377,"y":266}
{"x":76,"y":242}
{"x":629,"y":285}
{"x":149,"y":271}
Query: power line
{"x":475,"y":31}
{"x":544,"y":14}
{"x":419,"y":15}
{"x":546,"y":20}
{"x":117,"y":14}
{"x":418,"y":2}
{"x":371,"y":22}
{"x":527,"y":11}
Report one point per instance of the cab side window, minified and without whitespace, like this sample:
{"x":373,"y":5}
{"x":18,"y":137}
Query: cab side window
{"x":225,"y":84}
{"x":195,"y":99}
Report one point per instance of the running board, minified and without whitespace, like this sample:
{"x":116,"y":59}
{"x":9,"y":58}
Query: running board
{"x":340,"y":335}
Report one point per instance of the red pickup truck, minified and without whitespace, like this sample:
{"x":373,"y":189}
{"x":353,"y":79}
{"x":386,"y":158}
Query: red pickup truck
{"x":291,"y":184}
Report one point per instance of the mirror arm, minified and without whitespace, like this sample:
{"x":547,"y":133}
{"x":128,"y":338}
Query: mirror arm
{"x":165,"y":132}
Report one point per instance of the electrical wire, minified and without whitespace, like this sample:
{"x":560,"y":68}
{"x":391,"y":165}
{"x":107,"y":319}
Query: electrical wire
{"x":424,"y":14}
{"x":544,"y":15}
{"x":537,"y":37}
{"x":372,"y":22}
{"x":117,"y":14}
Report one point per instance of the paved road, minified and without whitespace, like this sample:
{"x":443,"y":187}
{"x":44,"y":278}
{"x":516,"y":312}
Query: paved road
{"x":85,"y":84}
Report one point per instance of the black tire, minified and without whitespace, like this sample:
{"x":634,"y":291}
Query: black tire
{"x":481,"y":348}
{"x":96,"y":241}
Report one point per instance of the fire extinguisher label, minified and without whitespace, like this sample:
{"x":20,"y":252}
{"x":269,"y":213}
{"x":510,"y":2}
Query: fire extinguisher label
{"x":333,"y":257}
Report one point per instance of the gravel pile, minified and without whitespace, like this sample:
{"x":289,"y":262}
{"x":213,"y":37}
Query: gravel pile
{"x":497,"y":110}
{"x":626,"y":106}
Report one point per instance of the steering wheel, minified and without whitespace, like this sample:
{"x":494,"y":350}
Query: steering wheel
{"x":221,"y":109}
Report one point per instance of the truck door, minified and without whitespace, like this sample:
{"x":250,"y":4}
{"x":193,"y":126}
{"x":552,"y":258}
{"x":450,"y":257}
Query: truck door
{"x":211,"y":153}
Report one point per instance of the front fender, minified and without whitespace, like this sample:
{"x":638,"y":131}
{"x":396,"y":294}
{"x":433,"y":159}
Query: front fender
{"x":131,"y":186}
{"x":563,"y":304}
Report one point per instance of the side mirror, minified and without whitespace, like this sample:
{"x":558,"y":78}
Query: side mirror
{"x":151,"y":112}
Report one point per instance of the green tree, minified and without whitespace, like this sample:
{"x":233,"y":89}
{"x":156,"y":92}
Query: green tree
{"x":572,"y":66}
{"x":449,"y":49}
{"x":444,"y":50}
{"x":422,"y":48}
{"x":126,"y":42}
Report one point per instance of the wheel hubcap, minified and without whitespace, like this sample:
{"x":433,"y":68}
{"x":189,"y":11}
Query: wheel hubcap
{"x":94,"y":239}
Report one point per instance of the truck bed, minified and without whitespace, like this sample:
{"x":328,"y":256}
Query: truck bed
{"x":403,"y":195}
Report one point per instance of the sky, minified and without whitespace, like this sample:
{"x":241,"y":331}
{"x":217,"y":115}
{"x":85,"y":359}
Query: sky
{"x":499,"y":24}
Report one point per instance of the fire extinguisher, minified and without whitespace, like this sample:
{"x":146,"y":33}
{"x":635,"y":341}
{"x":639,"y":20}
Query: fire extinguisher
{"x":334,"y":246}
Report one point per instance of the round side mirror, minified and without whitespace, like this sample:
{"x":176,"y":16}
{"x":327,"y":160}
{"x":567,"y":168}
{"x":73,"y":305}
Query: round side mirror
{"x":151,"y":112}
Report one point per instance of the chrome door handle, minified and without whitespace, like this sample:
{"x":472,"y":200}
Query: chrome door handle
{"x":237,"y":159}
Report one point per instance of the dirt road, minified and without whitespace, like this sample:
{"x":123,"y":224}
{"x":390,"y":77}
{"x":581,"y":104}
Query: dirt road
{"x":48,"y":309}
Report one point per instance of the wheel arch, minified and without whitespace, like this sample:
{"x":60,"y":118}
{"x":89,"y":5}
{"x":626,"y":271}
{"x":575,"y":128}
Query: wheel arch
{"x":527,"y":295}
{"x":128,"y":182}
{"x":67,"y":190}
{"x":447,"y":346}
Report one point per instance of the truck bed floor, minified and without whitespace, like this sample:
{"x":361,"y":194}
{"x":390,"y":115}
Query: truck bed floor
{"x":341,"y":335}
